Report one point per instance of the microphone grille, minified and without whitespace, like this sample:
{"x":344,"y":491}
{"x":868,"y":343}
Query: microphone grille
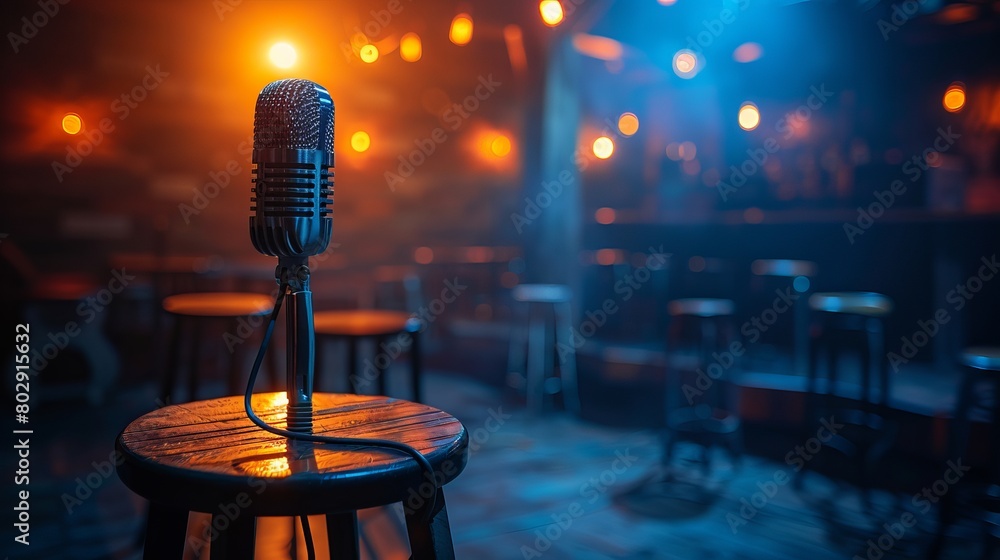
{"x":293,"y":114}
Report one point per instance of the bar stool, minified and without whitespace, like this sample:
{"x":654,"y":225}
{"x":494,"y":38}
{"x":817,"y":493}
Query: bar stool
{"x":704,"y":415}
{"x":381,"y":326}
{"x":846,"y":321}
{"x":980,"y":365}
{"x":192,"y":313}
{"x":530,"y":335}
{"x":208,"y":457}
{"x":801,"y":273}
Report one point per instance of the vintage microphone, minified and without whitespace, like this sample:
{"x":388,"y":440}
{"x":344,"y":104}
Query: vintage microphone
{"x":292,"y":190}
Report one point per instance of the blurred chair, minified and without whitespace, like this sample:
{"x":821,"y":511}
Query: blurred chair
{"x":800,"y":274}
{"x":851,"y":323}
{"x":193,"y":314}
{"x":980,"y":366}
{"x":534,"y":305}
{"x":393,"y":333}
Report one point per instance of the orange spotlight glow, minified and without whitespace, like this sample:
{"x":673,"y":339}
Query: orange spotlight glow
{"x":461,"y":29}
{"x":748,"y":52}
{"x":954,"y":97}
{"x":603,"y":147}
{"x":628,"y":124}
{"x":283,"y":55}
{"x":595,"y":46}
{"x":360,"y":141}
{"x":749,"y":116}
{"x":685,"y":64}
{"x":369,"y":53}
{"x":668,"y":2}
{"x":423,"y":255}
{"x":410,"y":48}
{"x":552,"y":12}
{"x":608,"y":256}
{"x":500,"y":146}
{"x":72,"y":123}
{"x":512,"y":36}
{"x":605,"y":215}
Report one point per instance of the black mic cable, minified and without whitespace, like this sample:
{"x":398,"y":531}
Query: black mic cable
{"x":426,"y":509}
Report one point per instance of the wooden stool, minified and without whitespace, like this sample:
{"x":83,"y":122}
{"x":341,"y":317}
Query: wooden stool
{"x":706,"y":419}
{"x":194,"y":311}
{"x":355,"y":325}
{"x":800,"y":272}
{"x":980,"y":365}
{"x":868,"y":434}
{"x":207,"y":456}
{"x":531,"y":335}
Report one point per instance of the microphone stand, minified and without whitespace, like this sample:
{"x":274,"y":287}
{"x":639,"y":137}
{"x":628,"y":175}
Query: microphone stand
{"x":300,"y":342}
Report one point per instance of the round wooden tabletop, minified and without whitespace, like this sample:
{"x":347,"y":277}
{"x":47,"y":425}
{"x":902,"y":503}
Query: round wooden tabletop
{"x":199,"y":455}
{"x":218,"y":304}
{"x":364,"y":322}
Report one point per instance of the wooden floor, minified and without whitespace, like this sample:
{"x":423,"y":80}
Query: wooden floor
{"x":549,"y":487}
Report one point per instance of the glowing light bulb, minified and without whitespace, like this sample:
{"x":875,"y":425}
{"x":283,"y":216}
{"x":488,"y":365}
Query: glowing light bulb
{"x":283,"y":55}
{"x":552,"y":12}
{"x":368,"y":53}
{"x":954,"y":98}
{"x":360,"y":141}
{"x":749,"y":116}
{"x":500,"y":146}
{"x":685,"y":64}
{"x":72,"y":123}
{"x":628,"y":124}
{"x":603,"y":147}
{"x":461,"y":29}
{"x":410,"y":48}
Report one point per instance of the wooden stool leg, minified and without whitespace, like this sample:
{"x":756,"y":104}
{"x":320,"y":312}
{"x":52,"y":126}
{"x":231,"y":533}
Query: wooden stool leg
{"x":431,"y":541}
{"x":416,"y":363}
{"x":166,"y":528}
{"x":236,"y":537}
{"x":173,"y":361}
{"x":342,"y":532}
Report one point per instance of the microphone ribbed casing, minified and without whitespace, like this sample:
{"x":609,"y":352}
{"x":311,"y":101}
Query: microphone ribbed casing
{"x":291,"y":201}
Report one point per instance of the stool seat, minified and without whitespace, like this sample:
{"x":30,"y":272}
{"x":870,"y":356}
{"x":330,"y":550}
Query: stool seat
{"x":218,"y":304}
{"x":982,"y":357}
{"x":868,"y":304}
{"x":542,"y":293}
{"x":701,"y":307}
{"x":199,"y":455}
{"x":364,"y":322}
{"x":783,"y":267}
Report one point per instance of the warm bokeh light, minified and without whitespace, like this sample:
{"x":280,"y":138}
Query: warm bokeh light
{"x":72,"y":123}
{"x":608,"y":257}
{"x":410,"y":48}
{"x":628,"y":124}
{"x":360,"y":141}
{"x":605,"y":215}
{"x":685,"y":63}
{"x":674,"y":151}
{"x":500,"y":146}
{"x":954,"y":97}
{"x":667,"y":2}
{"x":552,"y":12}
{"x":748,"y":52}
{"x":283,"y":55}
{"x":687,"y":151}
{"x":368,"y":53}
{"x":603,"y":147}
{"x":749,"y":116}
{"x":423,"y":255}
{"x":753,"y":215}
{"x":461,"y":29}
{"x":596,"y":46}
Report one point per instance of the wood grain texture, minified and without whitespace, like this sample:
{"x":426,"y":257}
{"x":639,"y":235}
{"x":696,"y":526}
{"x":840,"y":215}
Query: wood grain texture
{"x":204,"y":454}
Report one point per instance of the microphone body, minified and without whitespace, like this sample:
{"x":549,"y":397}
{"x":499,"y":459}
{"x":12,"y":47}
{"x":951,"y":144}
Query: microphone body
{"x":292,"y":219}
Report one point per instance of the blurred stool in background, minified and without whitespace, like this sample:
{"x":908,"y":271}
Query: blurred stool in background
{"x":193,"y":313}
{"x":846,"y":323}
{"x":398,"y":288}
{"x":800,"y":275}
{"x":393,"y":332}
{"x":697,"y":413}
{"x":980,"y":365}
{"x":533,"y":307}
